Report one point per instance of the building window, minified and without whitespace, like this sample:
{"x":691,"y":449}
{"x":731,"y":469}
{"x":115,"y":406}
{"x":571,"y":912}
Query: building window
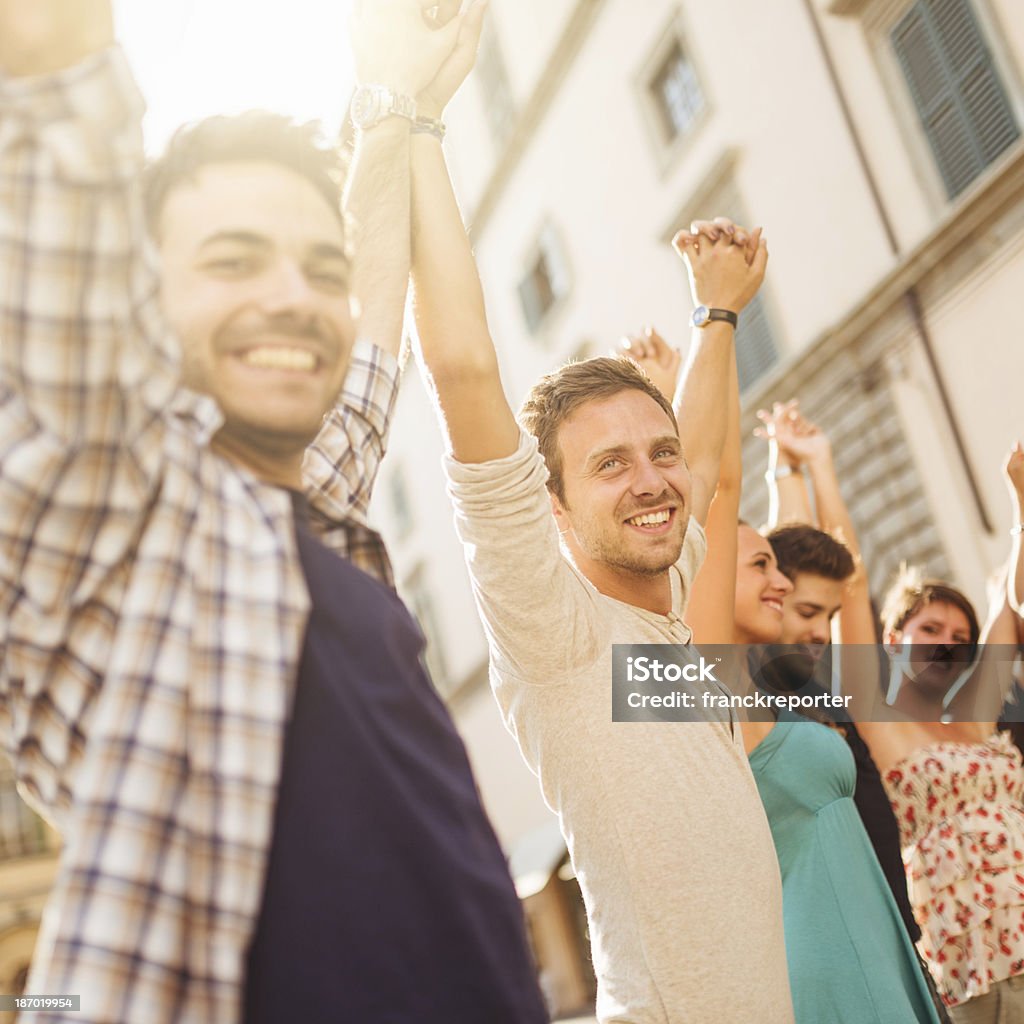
{"x":546,"y":280}
{"x":496,"y":93}
{"x":955,"y":87}
{"x":676,"y":93}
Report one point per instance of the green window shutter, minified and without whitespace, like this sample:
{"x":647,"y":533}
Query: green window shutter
{"x":955,"y":87}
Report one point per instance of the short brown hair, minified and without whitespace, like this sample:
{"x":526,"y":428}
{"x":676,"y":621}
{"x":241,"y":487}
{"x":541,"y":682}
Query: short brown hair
{"x":556,"y":396}
{"x":802,"y":548}
{"x":253,"y":135}
{"x":912,"y":591}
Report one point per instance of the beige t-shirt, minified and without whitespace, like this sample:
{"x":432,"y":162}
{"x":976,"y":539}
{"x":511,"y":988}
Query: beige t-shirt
{"x":663,"y":821}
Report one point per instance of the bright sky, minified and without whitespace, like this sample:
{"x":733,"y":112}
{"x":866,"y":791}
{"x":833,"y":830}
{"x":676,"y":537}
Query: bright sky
{"x":199,"y":57}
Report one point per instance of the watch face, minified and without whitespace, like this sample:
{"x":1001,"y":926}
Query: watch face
{"x":365,"y":107}
{"x":700,"y":317}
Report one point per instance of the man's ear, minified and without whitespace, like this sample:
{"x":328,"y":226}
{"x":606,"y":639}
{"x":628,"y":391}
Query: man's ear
{"x":558,"y":511}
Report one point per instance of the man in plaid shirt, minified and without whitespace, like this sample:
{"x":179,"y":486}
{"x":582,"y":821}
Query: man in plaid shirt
{"x":265,"y":809}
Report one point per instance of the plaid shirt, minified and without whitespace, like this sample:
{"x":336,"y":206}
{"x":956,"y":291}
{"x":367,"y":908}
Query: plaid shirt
{"x":153,"y":603}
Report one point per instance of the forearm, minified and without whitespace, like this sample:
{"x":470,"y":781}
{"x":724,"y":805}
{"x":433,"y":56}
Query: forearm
{"x":856,"y":618}
{"x":40,"y":37}
{"x":788,"y":500}
{"x":833,"y":514}
{"x":711,"y":612}
{"x":454,"y":342}
{"x":702,"y":408}
{"x":378,"y":203}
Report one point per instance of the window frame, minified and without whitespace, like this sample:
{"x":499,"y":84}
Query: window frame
{"x":667,"y":152}
{"x":540,"y":248}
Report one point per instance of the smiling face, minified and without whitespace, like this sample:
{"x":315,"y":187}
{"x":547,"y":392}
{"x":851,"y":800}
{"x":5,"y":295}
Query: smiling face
{"x":626,"y":485}
{"x":937,"y":639}
{"x":255,"y":284}
{"x":761,"y":589}
{"x":807,"y":613}
{"x":809,"y":608}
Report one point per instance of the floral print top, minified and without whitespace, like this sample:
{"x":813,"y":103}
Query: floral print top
{"x":962,"y":829}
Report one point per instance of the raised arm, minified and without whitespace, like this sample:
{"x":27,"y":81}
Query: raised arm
{"x":455,"y":344}
{"x":788,"y":500}
{"x":802,"y":444}
{"x":392,"y":46}
{"x":711,"y":612}
{"x":87,"y":367}
{"x":722,"y":275}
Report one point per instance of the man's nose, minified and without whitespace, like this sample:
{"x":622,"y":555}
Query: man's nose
{"x":820,"y":634}
{"x":646,"y":478}
{"x":287,"y":289}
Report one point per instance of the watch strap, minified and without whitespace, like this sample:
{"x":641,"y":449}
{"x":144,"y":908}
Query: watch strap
{"x":723,"y":314}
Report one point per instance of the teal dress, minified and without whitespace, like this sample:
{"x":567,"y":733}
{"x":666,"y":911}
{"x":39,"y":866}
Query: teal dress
{"x":850,"y":958}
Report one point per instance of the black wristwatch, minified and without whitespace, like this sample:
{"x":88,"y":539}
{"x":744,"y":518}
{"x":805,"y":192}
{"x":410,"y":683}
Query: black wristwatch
{"x":702,"y":316}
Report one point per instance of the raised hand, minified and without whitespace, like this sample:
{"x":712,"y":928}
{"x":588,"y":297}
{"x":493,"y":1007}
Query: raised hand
{"x":725,"y":262}
{"x":798,"y":440}
{"x":660,"y":360}
{"x":400,"y":44}
{"x":435,"y":97}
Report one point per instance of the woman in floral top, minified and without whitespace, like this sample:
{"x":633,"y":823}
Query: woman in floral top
{"x":955,"y":788}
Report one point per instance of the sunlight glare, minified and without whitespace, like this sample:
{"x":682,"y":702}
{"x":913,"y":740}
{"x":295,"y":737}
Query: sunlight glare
{"x":194,"y":58}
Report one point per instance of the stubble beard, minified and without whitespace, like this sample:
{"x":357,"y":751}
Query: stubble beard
{"x":618,"y":556}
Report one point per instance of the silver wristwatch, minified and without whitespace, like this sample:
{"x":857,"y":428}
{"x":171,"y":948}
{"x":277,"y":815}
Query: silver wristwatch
{"x":371,"y":104}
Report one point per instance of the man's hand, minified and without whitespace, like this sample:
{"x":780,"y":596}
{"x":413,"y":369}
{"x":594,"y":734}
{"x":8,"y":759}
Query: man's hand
{"x":725,"y":262}
{"x":399,"y":43}
{"x":436,"y":96}
{"x":40,"y":37}
{"x":659,"y":359}
{"x":794,"y":439}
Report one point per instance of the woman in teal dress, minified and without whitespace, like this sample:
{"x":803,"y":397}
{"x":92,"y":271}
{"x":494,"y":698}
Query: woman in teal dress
{"x":850,"y":958}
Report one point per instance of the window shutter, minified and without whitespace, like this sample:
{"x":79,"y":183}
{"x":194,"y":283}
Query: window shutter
{"x":953,"y":82}
{"x":755,"y":347}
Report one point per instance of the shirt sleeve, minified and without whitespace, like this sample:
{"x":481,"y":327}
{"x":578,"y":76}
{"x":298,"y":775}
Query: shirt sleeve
{"x":691,"y":558}
{"x":341,"y":464}
{"x":542,"y":620}
{"x":87,"y":365}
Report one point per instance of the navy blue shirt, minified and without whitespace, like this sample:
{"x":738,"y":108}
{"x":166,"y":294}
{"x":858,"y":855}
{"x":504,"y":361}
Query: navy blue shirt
{"x":387,"y":899}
